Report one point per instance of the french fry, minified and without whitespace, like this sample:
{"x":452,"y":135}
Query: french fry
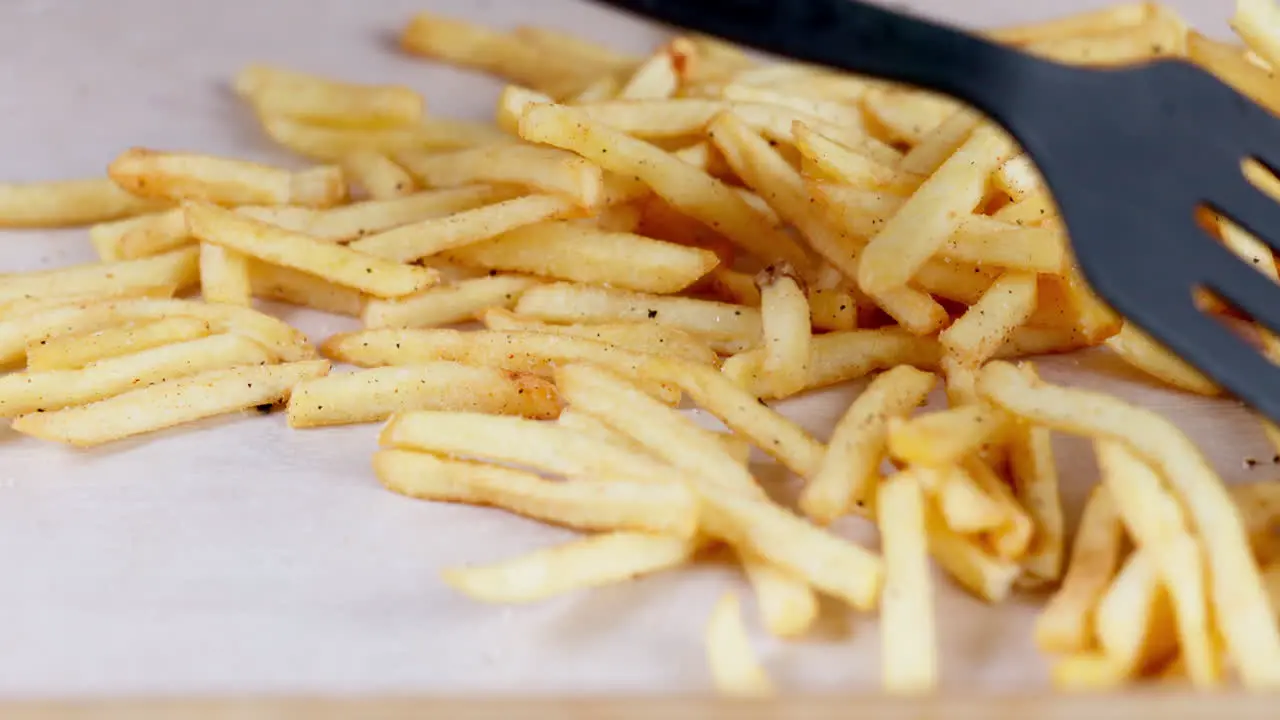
{"x":841,"y":356}
{"x":687,"y":188}
{"x":610,"y":505}
{"x":1121,"y":46}
{"x":169,"y":403}
{"x":579,"y":564}
{"x":659,"y":76}
{"x":946,"y":437}
{"x":1151,"y":516}
{"x":65,"y":203}
{"x":788,"y":606}
{"x":146,"y":236}
{"x":586,"y":52}
{"x":832,"y":112}
{"x":964,"y":505}
{"x":1089,"y":22}
{"x":1035,"y":483}
{"x":1013,"y":537}
{"x":76,"y":350}
{"x":330,"y":144}
{"x":829,"y":160}
{"x":734,"y":667}
{"x":282,"y":284}
{"x":532,"y":352}
{"x":637,"y":337}
{"x":832,"y":309}
{"x":178,"y":269}
{"x":1256,"y":21}
{"x":539,"y":446}
{"x":908,"y":115}
{"x":988,"y":242}
{"x":512,"y":103}
{"x":968,"y":562}
{"x":589,"y":255}
{"x":337,"y":264}
{"x":1067,"y":623}
{"x":1018,"y":178}
{"x":540,"y":169}
{"x":1134,"y":618}
{"x":1245,"y":620}
{"x":187,"y":176}
{"x":1142,"y":352}
{"x":379,"y":176}
{"x":108,"y":237}
{"x":447,"y":304}
{"x":785,"y":324}
{"x":986,"y":326}
{"x":376,"y":394}
{"x":762,"y":425}
{"x":224,"y":275}
{"x":859,"y":443}
{"x":1182,"y":567}
{"x":1233,"y":67}
{"x":436,"y":235}
{"x":908,"y":644}
{"x":934,"y":149}
{"x":932,"y":214}
{"x":277,"y":336}
{"x":724,"y":326}
{"x":585,"y":423}
{"x":43,"y":391}
{"x":313,"y":99}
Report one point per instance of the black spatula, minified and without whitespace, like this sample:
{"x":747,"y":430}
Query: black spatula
{"x":1129,"y":154}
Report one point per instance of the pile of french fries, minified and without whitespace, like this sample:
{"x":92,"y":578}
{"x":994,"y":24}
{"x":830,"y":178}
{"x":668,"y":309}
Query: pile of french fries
{"x":633,"y":233}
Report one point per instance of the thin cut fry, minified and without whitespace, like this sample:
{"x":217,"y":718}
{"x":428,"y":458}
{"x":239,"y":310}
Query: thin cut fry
{"x":987,"y":325}
{"x":968,"y":562}
{"x":908,"y":641}
{"x":946,"y":437}
{"x":224,"y":275}
{"x":785,"y":323}
{"x":179,"y":269}
{"x":734,"y":667}
{"x":282,"y":284}
{"x":187,"y":176}
{"x":638,"y":337}
{"x":788,"y":606}
{"x":379,"y":176}
{"x":1134,"y":618}
{"x":542,"y":169}
{"x":65,"y":203}
{"x":329,"y":144}
{"x":310,"y":98}
{"x":1066,"y":623}
{"x":1144,"y":353}
{"x":1035,"y":483}
{"x":446,"y":304}
{"x":76,"y":350}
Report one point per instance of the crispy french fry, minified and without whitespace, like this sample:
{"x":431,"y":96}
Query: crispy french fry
{"x":1120,"y":46}
{"x":282,"y":284}
{"x":835,"y":113}
{"x":337,"y":264}
{"x":1134,"y":618}
{"x":224,"y":275}
{"x":376,"y":394}
{"x":108,"y":238}
{"x":946,"y":437}
{"x":76,"y":350}
{"x":579,"y":564}
{"x":1089,"y":22}
{"x":582,"y":51}
{"x":968,"y":562}
{"x":659,"y":76}
{"x":785,"y":324}
{"x":379,"y":176}
{"x":1144,"y":353}
{"x":146,"y":236}
{"x":447,"y":304}
{"x":908,"y":115}
{"x":178,"y":269}
{"x":170,"y":403}
{"x":832,"y":309}
{"x":1234,"y":68}
{"x":1067,"y":622}
{"x":788,"y":606}
{"x":986,"y":326}
{"x":611,"y":505}
{"x":829,"y":160}
{"x":734,"y":667}
{"x":64,"y":203}
{"x":1256,"y":21}
{"x":1182,"y":566}
{"x":637,"y":337}
{"x":859,"y":443}
{"x":687,"y":188}
{"x":965,"y":507}
{"x":933,"y":150}
{"x":724,"y":326}
{"x":590,"y":255}
{"x":39,"y":392}
{"x":1035,"y":483}
{"x":314,"y":99}
{"x":541,"y":169}
{"x":1018,"y":178}
{"x":187,"y":176}
{"x":330,"y":144}
{"x":908,"y":644}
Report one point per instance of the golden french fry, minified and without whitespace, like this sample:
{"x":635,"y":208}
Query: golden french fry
{"x":170,"y":403}
{"x":1234,"y":68}
{"x":337,"y":264}
{"x":43,"y":391}
{"x":987,"y":325}
{"x":589,"y":255}
{"x":733,"y":663}
{"x":330,"y":144}
{"x":859,"y":443}
{"x":379,"y":176}
{"x":144,"y":236}
{"x":178,"y":269}
{"x":965,"y":507}
{"x":968,"y":562}
{"x":946,"y":437}
{"x":832,"y":309}
{"x":282,"y":284}
{"x":835,"y":113}
{"x":1035,"y":483}
{"x":1257,"y":21}
{"x":984,"y":241}
{"x":940,"y":144}
{"x":1151,"y":516}
{"x":1182,"y":567}
{"x":76,"y":350}
{"x":829,"y":160}
{"x":540,"y":169}
{"x":579,"y":564}
{"x":314,"y":99}
{"x":187,"y":176}
{"x":725,"y":327}
{"x":1018,"y":178}
{"x":584,"y":52}
{"x":64,"y":203}
{"x":908,"y":643}
{"x":1135,"y":619}
{"x":1144,"y":353}
{"x":1089,"y":22}
{"x":687,"y":188}
{"x":447,"y":304}
{"x":1161,"y":37}
{"x":785,"y":324}
{"x":637,"y":337}
{"x":661,"y":508}
{"x":908,"y":116}
{"x":1067,"y":623}
{"x":378,"y":393}
{"x":659,"y":76}
{"x":224,"y":275}
{"x":1245,"y":620}
{"x":788,"y":606}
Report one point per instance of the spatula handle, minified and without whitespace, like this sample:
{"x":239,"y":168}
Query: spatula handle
{"x":862,"y":38}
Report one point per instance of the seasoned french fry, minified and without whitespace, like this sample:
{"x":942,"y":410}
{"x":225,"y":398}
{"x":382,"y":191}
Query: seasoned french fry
{"x":859,"y":443}
{"x":965,"y":507}
{"x":831,"y":160}
{"x":76,"y":350}
{"x":832,"y":309}
{"x":687,"y":188}
{"x":1182,"y":566}
{"x":146,"y":236}
{"x":944,"y":438}
{"x":788,"y":606}
{"x":589,"y":255}
{"x":734,"y":667}
{"x":1121,"y":46}
{"x":337,"y":264}
{"x":662,"y":508}
{"x":1018,"y":178}
{"x":637,"y":337}
{"x":1035,"y":483}
{"x":908,"y":644}
{"x":1134,"y":618}
{"x":933,"y":150}
{"x":178,"y":269}
{"x":108,"y":237}
{"x":1141,"y":351}
{"x":908,"y":115}
{"x":170,"y":403}
{"x":187,"y":176}
{"x":541,"y":169}
{"x":447,"y":304}
{"x":659,"y":76}
{"x":282,"y":284}
{"x":987,"y":325}
{"x":65,"y":203}
{"x":785,"y":323}
{"x":1256,"y":22}
{"x":1234,"y":68}
{"x":968,"y":562}
{"x":314,"y":99}
{"x":379,"y":176}
{"x":329,"y":144}
{"x":582,"y":51}
{"x":725,"y":327}
{"x":1067,"y":623}
{"x":1089,"y":22}
{"x":579,"y":564}
{"x":377,"y":394}
{"x":224,"y":275}
{"x":832,"y":112}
